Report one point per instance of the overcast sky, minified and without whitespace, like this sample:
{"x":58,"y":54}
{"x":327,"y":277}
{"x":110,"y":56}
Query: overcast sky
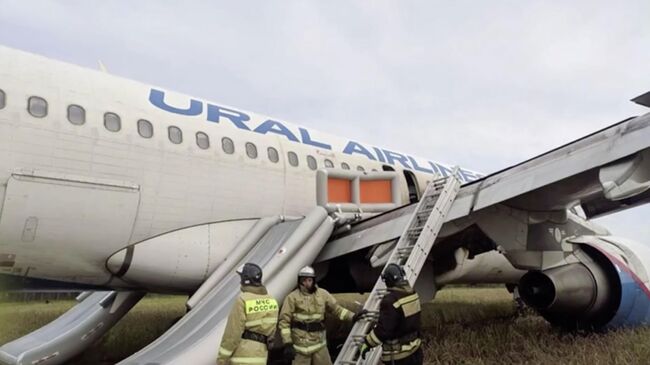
{"x":483,"y":84}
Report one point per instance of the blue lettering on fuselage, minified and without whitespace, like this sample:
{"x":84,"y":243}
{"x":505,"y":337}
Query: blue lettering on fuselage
{"x":276,"y":127}
{"x":216,"y":114}
{"x":354,"y":147}
{"x":306,"y":139}
{"x":434,"y":167}
{"x":391,"y":157}
{"x":380,"y":155}
{"x":444,"y":170}
{"x":467,"y":175}
{"x":418,"y":167}
{"x":157,"y":98}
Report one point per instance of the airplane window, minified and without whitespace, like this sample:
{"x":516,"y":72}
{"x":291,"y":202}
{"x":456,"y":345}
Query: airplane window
{"x":273,"y":155}
{"x":202,"y":140}
{"x":175,"y":134}
{"x":2,"y":99}
{"x":251,"y":150}
{"x":37,"y":107}
{"x":345,"y":166}
{"x":76,"y":115}
{"x":293,"y":159}
{"x":360,"y":168}
{"x":329,"y":163}
{"x":112,"y":122}
{"x":145,"y":129}
{"x":311,"y":162}
{"x":227,"y":145}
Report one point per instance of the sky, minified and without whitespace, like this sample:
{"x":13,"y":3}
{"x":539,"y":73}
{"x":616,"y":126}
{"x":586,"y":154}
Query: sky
{"x":481,"y":84}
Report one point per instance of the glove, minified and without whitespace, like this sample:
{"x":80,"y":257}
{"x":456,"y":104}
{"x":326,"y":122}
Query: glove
{"x":357,"y":316}
{"x":363,"y":350}
{"x":289,"y":352}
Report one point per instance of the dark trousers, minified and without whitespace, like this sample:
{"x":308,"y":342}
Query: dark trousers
{"x":415,"y":359}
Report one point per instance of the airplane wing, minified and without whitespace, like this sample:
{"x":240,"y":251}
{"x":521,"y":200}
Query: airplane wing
{"x":606,"y":171}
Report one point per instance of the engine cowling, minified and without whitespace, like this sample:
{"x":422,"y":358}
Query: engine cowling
{"x":607,"y":287}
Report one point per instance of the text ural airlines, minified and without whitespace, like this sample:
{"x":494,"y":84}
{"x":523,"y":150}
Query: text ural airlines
{"x":238,"y":119}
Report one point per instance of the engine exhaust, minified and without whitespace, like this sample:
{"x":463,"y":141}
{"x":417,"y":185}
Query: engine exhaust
{"x":568,"y":289}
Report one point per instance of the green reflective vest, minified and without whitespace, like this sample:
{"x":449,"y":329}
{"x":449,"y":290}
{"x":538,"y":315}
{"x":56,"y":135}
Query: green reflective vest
{"x":254,"y":311}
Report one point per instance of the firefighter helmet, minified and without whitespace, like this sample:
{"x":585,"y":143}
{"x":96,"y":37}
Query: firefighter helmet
{"x":393,"y":275}
{"x":250,"y":274}
{"x":307,"y":272}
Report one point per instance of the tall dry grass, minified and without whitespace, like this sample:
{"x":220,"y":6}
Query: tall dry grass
{"x":462,"y":326}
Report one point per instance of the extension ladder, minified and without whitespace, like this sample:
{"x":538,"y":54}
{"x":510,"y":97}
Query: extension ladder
{"x":410,"y":253}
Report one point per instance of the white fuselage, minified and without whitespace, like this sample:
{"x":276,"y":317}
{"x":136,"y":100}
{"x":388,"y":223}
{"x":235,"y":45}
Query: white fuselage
{"x":71,"y":195}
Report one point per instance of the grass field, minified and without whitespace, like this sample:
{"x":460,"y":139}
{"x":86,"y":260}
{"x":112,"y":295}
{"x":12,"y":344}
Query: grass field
{"x":462,"y":326}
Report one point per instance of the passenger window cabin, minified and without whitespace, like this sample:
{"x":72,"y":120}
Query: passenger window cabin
{"x":273,"y":155}
{"x":329,"y":163}
{"x":145,"y":129}
{"x":175,"y":134}
{"x":76,"y":114}
{"x":345,"y":166}
{"x":293,"y":159}
{"x":227,"y":145}
{"x":202,"y":140}
{"x":37,"y":107}
{"x":251,"y":150}
{"x":311,"y":162}
{"x":3,"y":99}
{"x":112,"y":122}
{"x":360,"y":168}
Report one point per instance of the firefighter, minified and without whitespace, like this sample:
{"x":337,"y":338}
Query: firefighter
{"x":251,"y":322}
{"x":398,"y":325}
{"x":301,"y":320}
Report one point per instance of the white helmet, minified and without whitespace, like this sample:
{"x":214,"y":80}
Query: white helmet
{"x":307,"y":272}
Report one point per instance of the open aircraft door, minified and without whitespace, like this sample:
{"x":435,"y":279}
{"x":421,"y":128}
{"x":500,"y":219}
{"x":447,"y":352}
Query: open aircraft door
{"x":43,"y":210}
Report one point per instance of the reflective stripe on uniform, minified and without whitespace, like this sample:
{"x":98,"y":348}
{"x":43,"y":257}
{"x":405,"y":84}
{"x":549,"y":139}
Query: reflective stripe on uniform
{"x":258,"y":322}
{"x":344,"y":314}
{"x":405,"y":300}
{"x":248,"y":360}
{"x":309,"y":349}
{"x":303,"y":317}
{"x":410,"y":305}
{"x":403,"y":352}
{"x":261,"y":305}
{"x":372,"y":339}
{"x":224,"y":352}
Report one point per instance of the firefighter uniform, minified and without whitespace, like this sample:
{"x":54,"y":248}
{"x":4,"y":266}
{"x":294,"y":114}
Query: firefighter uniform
{"x":301,"y":324}
{"x":398,"y":325}
{"x":251,"y":322}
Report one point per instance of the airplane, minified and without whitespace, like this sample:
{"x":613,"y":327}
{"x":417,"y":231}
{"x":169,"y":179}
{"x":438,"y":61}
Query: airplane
{"x":122,"y":188}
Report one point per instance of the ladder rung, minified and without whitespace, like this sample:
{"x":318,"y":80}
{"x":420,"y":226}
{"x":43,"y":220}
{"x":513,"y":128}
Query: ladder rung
{"x":415,"y":243}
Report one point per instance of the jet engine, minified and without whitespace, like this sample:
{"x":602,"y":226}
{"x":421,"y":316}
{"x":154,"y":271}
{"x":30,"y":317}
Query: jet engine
{"x":605,"y":286}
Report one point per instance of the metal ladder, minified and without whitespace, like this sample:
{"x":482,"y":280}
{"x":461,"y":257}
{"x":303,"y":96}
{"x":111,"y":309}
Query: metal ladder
{"x":411,"y":252}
